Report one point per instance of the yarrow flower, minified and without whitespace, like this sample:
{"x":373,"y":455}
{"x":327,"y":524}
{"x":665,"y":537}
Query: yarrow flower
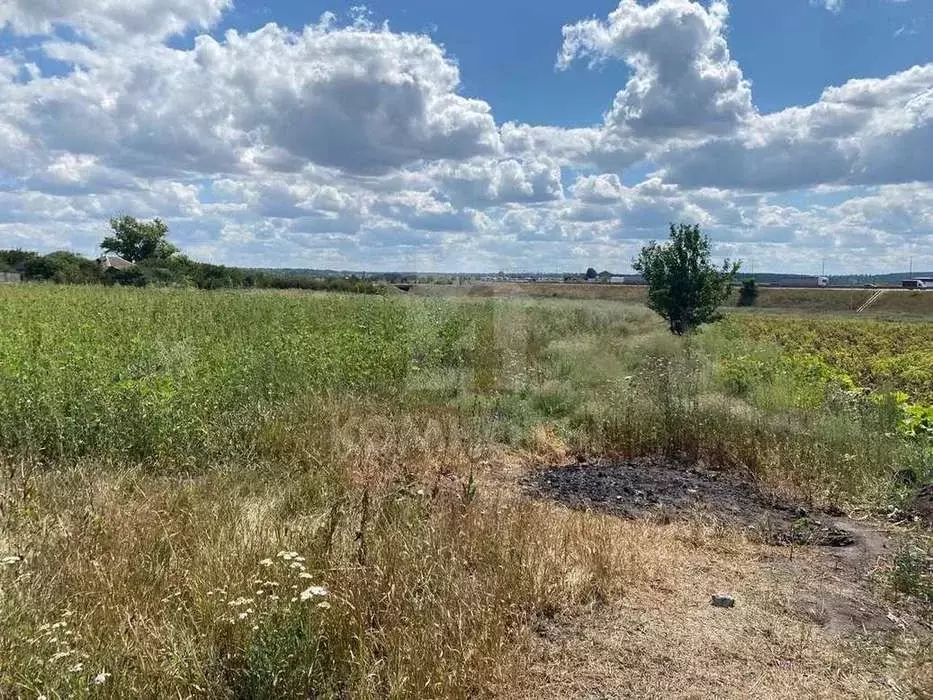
{"x":101,"y":678}
{"x":312,"y":591}
{"x":266,"y":562}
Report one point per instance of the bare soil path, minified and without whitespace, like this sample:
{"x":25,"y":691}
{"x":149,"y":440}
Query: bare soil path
{"x":810,"y":619}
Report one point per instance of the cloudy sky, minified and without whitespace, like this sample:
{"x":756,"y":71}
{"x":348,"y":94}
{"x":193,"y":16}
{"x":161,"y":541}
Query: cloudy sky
{"x":483,"y":135}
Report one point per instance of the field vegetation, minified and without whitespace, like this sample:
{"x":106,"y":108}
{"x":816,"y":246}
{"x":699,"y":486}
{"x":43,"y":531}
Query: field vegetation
{"x":284,"y":494}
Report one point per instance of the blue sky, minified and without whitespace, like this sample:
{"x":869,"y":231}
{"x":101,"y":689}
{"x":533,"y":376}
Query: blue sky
{"x":482,"y":136}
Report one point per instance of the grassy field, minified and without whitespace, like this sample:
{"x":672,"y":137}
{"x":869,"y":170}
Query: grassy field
{"x":296,"y":495}
{"x":810,"y":300}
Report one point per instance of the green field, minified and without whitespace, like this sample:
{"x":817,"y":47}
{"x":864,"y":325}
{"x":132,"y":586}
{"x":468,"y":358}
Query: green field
{"x":318,"y":490}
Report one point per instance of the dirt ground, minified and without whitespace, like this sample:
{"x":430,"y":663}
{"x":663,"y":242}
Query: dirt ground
{"x":810,"y":619}
{"x":664,"y":490}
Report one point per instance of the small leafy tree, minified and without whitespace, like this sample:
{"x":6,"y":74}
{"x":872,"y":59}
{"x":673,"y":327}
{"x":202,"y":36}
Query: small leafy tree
{"x":683,"y":285}
{"x":749,"y":293}
{"x":136,"y":240}
{"x":591,"y":273}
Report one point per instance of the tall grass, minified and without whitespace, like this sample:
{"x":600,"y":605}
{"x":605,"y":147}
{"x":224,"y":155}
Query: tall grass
{"x":281,"y":495}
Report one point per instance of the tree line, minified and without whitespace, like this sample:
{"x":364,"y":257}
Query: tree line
{"x":155,"y":261}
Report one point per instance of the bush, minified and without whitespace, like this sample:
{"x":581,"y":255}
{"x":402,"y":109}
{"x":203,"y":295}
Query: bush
{"x":749,"y":293}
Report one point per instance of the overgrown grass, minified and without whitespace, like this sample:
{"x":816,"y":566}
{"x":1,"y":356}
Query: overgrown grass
{"x":180,"y":467}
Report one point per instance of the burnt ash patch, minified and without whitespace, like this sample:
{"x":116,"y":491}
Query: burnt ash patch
{"x":666,"y":489}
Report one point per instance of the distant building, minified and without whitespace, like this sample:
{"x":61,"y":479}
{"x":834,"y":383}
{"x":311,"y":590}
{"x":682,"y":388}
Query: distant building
{"x":918,"y":283}
{"x":114,"y":262}
{"x":617,"y":279}
{"x":822,"y":281}
{"x":10,"y":277}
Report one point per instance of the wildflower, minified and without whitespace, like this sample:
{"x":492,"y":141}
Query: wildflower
{"x":312,"y":591}
{"x":240,"y":601}
{"x":273,"y":597}
{"x":243,"y":615}
{"x":11,"y":560}
{"x":77,"y":668}
{"x":255,"y":628}
{"x":60,"y":655}
{"x":297,"y":558}
{"x":324,"y":605}
{"x":305,"y":574}
{"x":101,"y":678}
{"x":297,"y":565}
{"x":287,"y":556}
{"x":265,"y":562}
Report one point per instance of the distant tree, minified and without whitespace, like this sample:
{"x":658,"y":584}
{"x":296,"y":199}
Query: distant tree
{"x":684,"y":287}
{"x":15,"y":260}
{"x":749,"y":293}
{"x":136,"y":240}
{"x":38,"y":268}
{"x":591,"y":273}
{"x":62,"y":267}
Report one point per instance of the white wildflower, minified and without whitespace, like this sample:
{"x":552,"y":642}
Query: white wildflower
{"x":243,"y":615}
{"x":59,"y":655}
{"x":312,"y":591}
{"x":77,"y":668}
{"x":273,"y":597}
{"x":305,"y":574}
{"x":297,"y":565}
{"x":100,"y":678}
{"x":297,"y":558}
{"x":11,"y":560}
{"x":265,"y":562}
{"x":324,"y":605}
{"x":240,"y":601}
